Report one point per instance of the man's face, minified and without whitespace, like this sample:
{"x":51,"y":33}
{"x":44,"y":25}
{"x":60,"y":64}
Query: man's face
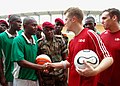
{"x":16,"y":24}
{"x":58,"y":27}
{"x":38,"y":34}
{"x":90,"y":24}
{"x":48,"y":32}
{"x":31,"y":28}
{"x":68,"y":23}
{"x":106,"y":20}
{"x":3,"y":27}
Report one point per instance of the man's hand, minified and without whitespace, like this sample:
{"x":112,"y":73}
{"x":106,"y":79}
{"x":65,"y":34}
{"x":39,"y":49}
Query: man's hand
{"x":48,"y":65}
{"x":87,"y":71}
{"x":3,"y":82}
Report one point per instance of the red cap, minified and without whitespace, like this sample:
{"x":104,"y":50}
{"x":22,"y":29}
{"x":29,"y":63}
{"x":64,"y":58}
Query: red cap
{"x":59,"y":20}
{"x":48,"y":24}
{"x":4,"y":22}
{"x":39,"y":28}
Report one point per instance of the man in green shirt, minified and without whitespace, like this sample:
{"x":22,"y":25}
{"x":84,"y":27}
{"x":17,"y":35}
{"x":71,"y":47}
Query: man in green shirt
{"x":6,"y":39}
{"x":24,"y":53}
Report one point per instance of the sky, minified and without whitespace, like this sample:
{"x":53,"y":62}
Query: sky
{"x":23,"y":6}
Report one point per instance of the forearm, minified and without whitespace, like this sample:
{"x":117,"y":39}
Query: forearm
{"x":2,"y":77}
{"x":105,"y":63}
{"x":27,"y":64}
{"x":1,"y":68}
{"x":64,"y":64}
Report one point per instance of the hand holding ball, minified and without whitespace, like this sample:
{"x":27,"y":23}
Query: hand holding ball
{"x":86,"y":55}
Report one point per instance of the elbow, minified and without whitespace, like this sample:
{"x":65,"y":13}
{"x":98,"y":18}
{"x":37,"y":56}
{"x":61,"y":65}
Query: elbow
{"x":112,"y":60}
{"x":67,"y":64}
{"x":20,"y":63}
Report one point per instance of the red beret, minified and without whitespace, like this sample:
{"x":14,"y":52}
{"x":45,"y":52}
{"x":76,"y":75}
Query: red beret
{"x":39,"y":27}
{"x":48,"y":24}
{"x":59,"y":20}
{"x":3,"y":22}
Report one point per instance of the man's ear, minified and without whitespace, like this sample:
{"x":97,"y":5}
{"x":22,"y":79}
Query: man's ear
{"x":74,"y":18}
{"x":94,"y":24}
{"x":114,"y":17}
{"x":24,"y":25}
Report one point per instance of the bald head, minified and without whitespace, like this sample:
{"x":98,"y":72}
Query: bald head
{"x":14,"y":17}
{"x":28,"y":20}
{"x":30,"y":25}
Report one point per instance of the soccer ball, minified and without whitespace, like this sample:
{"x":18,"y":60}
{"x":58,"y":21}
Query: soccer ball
{"x":43,"y":58}
{"x":89,"y":56}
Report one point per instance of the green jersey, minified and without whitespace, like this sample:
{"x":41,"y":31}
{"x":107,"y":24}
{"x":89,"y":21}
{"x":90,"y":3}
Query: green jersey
{"x":6,"y":40}
{"x":23,"y":49}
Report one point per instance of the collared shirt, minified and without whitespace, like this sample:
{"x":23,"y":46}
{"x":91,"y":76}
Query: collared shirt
{"x":23,"y":49}
{"x":6,"y":40}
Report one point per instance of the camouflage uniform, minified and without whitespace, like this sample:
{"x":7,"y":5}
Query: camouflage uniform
{"x":54,"y":49}
{"x":64,"y":38}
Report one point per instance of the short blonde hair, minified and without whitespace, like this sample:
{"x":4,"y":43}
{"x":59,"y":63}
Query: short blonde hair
{"x":75,"y":11}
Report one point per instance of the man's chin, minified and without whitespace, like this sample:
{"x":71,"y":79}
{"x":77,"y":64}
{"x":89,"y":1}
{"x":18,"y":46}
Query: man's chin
{"x":18,"y":29}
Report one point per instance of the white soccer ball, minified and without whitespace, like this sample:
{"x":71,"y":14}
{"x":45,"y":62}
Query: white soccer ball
{"x":89,"y":56}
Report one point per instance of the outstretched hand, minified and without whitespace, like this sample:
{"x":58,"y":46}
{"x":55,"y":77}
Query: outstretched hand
{"x":47,"y":68}
{"x":48,"y":65}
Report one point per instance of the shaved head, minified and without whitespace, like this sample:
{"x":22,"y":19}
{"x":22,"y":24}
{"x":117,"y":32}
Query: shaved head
{"x":28,"y":20}
{"x":14,"y":17}
{"x":30,"y":25}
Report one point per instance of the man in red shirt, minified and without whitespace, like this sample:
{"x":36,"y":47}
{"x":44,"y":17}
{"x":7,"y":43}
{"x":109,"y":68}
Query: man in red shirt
{"x":84,"y":39}
{"x":111,"y":38}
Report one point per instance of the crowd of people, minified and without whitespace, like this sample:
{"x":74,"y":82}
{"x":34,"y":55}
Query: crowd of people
{"x":19,"y":48}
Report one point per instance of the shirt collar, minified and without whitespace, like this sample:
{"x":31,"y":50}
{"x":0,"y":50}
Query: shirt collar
{"x":10,"y":35}
{"x":27,"y":39}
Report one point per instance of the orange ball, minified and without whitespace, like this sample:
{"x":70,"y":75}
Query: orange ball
{"x":43,"y":58}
